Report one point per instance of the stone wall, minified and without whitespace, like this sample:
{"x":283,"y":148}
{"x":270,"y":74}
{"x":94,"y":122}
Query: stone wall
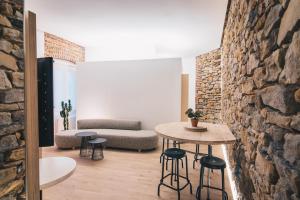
{"x":208,"y":85}
{"x":261,"y":96}
{"x":12,"y":143}
{"x":60,"y":48}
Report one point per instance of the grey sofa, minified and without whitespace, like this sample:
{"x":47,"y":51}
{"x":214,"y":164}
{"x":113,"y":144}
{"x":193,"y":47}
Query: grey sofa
{"x":123,"y":134}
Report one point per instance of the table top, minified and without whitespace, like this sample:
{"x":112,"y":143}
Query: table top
{"x":215,"y":134}
{"x":97,"y":141}
{"x":85,"y":134}
{"x":54,"y":170}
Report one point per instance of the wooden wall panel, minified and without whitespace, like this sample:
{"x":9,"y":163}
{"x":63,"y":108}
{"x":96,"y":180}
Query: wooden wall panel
{"x":31,"y":109}
{"x":184,"y":96}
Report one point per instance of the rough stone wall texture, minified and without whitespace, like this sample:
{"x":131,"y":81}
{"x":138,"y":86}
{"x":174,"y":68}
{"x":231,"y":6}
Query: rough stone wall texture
{"x":208,"y":85}
{"x":60,"y":48}
{"x":12,"y":143}
{"x":261,"y":96}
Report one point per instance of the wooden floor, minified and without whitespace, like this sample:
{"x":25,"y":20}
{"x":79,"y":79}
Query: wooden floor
{"x":124,"y":175}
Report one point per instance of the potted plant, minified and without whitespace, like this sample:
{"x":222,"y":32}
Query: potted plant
{"x":194,"y":116}
{"x":64,"y":113}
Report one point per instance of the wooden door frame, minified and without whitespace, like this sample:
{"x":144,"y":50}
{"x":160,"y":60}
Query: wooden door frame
{"x":184,"y":95}
{"x":31,"y":108}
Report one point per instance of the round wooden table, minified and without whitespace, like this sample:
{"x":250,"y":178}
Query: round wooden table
{"x":54,"y":170}
{"x":216,"y":134}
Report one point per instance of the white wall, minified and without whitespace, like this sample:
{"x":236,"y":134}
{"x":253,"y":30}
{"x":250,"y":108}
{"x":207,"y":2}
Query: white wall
{"x":189,"y":67}
{"x":40,"y":44}
{"x":127,"y":51}
{"x":145,"y":90}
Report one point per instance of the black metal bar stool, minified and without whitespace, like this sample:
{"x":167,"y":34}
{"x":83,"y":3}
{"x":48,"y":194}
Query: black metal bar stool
{"x":211,"y":162}
{"x":175,"y":154}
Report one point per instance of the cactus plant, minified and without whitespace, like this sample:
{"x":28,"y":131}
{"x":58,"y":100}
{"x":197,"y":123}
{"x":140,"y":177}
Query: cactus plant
{"x":64,"y":113}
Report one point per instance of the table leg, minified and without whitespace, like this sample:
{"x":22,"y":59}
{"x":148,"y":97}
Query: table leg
{"x":81,"y":146}
{"x":88,"y":147}
{"x":84,"y":146}
{"x":174,"y":144}
{"x":41,"y":195}
{"x":196,"y":155}
{"x":162,"y":150}
{"x":208,"y":173}
{"x":209,"y":150}
{"x":93,"y":151}
{"x":163,"y":147}
{"x":102,"y":153}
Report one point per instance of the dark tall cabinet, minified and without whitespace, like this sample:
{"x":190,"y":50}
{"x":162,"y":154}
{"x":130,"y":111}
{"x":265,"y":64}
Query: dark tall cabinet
{"x":45,"y":101}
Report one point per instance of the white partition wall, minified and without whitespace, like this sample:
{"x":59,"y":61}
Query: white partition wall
{"x":145,"y":90}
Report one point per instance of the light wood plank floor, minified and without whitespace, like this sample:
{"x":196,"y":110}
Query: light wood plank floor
{"x":124,"y":175}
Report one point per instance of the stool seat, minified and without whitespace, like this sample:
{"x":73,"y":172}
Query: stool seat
{"x":175,"y":153}
{"x":212,"y":162}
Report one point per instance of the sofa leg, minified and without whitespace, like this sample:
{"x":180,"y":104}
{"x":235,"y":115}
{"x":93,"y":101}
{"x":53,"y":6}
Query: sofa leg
{"x":140,"y":150}
{"x":73,"y":148}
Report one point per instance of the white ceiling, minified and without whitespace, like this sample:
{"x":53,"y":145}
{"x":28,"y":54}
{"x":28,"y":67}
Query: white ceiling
{"x":137,"y":28}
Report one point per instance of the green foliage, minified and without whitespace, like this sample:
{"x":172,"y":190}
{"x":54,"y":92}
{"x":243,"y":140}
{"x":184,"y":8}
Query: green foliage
{"x":64,"y":113}
{"x":193,"y":114}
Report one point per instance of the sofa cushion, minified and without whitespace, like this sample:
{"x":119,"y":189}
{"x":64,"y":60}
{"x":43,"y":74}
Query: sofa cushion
{"x":126,"y":139}
{"x":67,"y":139}
{"x":108,"y":124}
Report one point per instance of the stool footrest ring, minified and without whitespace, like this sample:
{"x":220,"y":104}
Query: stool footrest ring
{"x":173,"y":188}
{"x":211,"y":187}
{"x":175,"y":175}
